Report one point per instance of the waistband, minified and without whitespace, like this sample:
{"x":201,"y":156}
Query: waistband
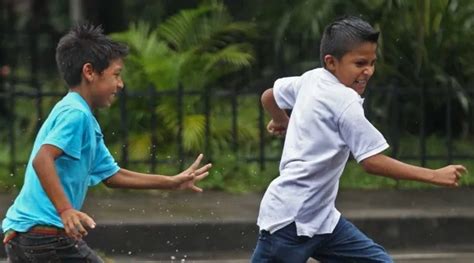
{"x":39,"y":229}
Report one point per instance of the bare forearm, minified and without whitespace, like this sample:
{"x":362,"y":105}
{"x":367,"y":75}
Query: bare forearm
{"x":46,"y":171}
{"x":389,"y":167}
{"x":128,"y":179}
{"x":270,"y":105}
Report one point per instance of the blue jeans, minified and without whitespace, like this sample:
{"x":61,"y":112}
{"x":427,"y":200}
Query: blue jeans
{"x":346,"y":244}
{"x":34,"y":247}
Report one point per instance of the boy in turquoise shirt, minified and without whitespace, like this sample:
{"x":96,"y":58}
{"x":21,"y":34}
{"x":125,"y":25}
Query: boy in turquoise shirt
{"x":69,"y":155}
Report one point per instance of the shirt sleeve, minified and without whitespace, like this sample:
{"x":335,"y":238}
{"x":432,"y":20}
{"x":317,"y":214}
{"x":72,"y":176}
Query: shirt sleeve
{"x":362,"y":138}
{"x":285,"y":91}
{"x":104,"y":164}
{"x":67,"y":132}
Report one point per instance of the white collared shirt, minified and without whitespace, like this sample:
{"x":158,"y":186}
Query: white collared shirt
{"x":326,"y":124}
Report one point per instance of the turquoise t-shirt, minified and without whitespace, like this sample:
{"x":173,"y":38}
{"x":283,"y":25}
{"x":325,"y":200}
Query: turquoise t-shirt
{"x":85,"y":162}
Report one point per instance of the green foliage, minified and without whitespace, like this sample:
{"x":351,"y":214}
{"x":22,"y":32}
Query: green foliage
{"x":233,"y":175}
{"x":192,"y":49}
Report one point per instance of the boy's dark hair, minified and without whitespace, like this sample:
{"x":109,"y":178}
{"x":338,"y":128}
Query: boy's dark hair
{"x":344,"y":34}
{"x":86,"y":44}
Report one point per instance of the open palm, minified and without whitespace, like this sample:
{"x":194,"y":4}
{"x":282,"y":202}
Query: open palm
{"x":188,"y":178}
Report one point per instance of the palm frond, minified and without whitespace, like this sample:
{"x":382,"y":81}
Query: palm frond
{"x":233,"y":57}
{"x":194,"y":132}
{"x":180,"y":30}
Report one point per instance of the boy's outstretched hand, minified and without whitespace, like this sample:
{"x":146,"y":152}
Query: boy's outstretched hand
{"x":449,"y":175}
{"x":188,"y":178}
{"x":75,"y":221}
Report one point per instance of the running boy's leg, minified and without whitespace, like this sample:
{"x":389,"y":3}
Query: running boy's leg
{"x":348,"y":244}
{"x":282,"y":246}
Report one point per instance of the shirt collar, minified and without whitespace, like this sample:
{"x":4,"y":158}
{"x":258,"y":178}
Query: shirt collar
{"x":76,"y":97}
{"x":328,"y":76}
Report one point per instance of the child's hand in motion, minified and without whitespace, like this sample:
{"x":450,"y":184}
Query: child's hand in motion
{"x":277,"y":128}
{"x":188,"y":178}
{"x":75,"y":222}
{"x":449,"y":175}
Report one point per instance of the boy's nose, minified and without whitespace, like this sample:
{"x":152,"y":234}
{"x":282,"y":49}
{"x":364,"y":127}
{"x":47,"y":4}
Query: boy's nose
{"x":120,"y":84}
{"x":369,"y":71}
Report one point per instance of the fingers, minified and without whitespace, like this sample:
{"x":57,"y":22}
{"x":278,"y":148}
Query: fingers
{"x":194,"y":173}
{"x":196,"y":163}
{"x":203,"y":169}
{"x":458,"y":174}
{"x":201,"y":176}
{"x":75,"y":222}
{"x":276,"y":130}
{"x":88,"y":221}
{"x":196,"y":189}
{"x":460,"y":168}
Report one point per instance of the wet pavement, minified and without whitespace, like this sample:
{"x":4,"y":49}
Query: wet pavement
{"x":416,"y":226}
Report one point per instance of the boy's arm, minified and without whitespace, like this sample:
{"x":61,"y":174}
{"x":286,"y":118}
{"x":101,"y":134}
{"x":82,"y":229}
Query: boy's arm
{"x":73,"y":220}
{"x":381,"y":164}
{"x":279,"y":122}
{"x":185,"y":180}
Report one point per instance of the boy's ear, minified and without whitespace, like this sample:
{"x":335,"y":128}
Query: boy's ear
{"x":88,"y":72}
{"x":330,"y":62}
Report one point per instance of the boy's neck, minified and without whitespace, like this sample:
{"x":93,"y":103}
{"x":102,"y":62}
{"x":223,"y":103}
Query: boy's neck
{"x":84,"y":91}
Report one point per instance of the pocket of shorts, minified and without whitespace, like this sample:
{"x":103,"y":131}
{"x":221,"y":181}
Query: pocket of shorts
{"x":42,"y":255}
{"x":70,"y":246}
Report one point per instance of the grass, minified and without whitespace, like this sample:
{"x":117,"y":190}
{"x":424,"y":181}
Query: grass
{"x":232,"y":174}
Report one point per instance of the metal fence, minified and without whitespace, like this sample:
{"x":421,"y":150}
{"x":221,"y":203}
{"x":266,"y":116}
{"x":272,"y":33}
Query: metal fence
{"x":393,"y":130}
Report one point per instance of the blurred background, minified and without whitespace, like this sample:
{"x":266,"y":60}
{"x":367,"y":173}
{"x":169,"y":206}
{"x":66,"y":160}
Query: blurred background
{"x":197,"y":68}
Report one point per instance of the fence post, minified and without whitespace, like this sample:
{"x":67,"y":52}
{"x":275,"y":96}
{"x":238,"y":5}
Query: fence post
{"x":153,"y":120}
{"x":180,"y":110}
{"x":34,"y":75}
{"x":11,"y":126}
{"x":395,"y":124}
{"x":123,"y":126}
{"x":261,"y":125}
{"x":207,"y":114}
{"x":422,"y":126}
{"x":449,"y":109}
{"x":235,"y":134}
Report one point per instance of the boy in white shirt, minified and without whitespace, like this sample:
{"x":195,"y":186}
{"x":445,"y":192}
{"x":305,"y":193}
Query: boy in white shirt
{"x":298,"y":218}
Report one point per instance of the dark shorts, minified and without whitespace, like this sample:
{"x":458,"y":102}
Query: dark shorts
{"x":346,"y":244}
{"x":48,"y":246}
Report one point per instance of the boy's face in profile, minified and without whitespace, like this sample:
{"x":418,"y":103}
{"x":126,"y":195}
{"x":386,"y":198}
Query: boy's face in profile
{"x":105,"y":85}
{"x":355,"y":68}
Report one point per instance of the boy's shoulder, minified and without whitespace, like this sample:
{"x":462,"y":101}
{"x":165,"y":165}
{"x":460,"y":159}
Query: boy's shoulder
{"x":71,"y":109}
{"x":328,"y":81}
{"x":73,"y":102}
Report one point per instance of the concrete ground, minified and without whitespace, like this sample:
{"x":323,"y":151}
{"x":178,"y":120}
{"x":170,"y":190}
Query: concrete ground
{"x":416,"y":226}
